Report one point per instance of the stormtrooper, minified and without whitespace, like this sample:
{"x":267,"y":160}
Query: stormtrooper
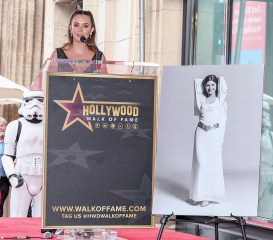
{"x":23,"y":156}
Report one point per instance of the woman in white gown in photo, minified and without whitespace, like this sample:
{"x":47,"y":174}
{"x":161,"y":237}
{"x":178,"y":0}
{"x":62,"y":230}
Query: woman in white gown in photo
{"x":207,"y":178}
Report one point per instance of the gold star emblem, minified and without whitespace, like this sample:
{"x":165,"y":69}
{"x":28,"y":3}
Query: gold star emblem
{"x":74,"y":109}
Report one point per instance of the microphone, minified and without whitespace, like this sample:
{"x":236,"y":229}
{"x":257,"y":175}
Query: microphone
{"x":83,"y":39}
{"x":48,"y":235}
{"x":16,"y":237}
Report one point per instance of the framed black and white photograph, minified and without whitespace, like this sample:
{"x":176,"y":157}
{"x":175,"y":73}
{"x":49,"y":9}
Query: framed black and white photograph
{"x":208,"y":140}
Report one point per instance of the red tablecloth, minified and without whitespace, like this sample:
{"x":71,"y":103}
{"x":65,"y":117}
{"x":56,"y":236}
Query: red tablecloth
{"x":12,"y":227}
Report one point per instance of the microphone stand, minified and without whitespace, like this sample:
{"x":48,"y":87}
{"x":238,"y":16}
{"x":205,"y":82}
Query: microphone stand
{"x":84,"y":40}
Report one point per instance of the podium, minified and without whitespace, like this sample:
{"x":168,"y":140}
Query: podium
{"x":99,"y":143}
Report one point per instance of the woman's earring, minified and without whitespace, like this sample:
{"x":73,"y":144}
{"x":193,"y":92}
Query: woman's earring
{"x":71,"y":34}
{"x":91,"y":35}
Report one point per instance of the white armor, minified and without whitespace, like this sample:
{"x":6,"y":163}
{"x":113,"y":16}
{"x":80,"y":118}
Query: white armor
{"x":25,"y":175}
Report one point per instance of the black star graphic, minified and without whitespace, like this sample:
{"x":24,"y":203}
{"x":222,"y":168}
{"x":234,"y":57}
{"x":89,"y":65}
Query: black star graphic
{"x":74,"y":154}
{"x":140,"y":197}
{"x":127,"y":133}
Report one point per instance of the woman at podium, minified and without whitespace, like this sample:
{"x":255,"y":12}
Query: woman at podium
{"x":80,"y":53}
{"x":81,"y":44}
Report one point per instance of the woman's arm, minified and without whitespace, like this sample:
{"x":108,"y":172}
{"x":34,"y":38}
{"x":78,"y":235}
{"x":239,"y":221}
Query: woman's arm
{"x":54,"y":54}
{"x":222,"y":96}
{"x":53,"y":65}
{"x":198,"y":92}
{"x":222,"y":90}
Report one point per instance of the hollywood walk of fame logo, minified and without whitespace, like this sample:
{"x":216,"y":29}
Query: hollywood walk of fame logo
{"x":77,"y":109}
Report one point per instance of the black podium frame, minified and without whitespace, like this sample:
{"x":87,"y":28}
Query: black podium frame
{"x":99,"y":147}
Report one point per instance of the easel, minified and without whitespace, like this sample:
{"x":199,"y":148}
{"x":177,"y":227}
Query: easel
{"x":216,"y":221}
{"x":163,"y":221}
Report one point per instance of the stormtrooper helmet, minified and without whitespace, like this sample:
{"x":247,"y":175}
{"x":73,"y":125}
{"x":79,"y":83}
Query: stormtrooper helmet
{"x":32,"y":106}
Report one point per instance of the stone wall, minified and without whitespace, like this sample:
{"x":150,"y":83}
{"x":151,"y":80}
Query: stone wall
{"x":21,"y":42}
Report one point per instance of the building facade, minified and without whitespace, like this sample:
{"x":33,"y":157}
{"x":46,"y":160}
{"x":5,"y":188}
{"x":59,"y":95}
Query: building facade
{"x":175,"y":32}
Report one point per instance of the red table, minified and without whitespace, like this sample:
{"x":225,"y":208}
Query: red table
{"x":12,"y":227}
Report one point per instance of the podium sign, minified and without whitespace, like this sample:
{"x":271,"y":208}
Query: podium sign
{"x":99,"y":150}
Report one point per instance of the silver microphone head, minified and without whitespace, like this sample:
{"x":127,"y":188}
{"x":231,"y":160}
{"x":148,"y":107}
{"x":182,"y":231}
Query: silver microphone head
{"x":47,"y":235}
